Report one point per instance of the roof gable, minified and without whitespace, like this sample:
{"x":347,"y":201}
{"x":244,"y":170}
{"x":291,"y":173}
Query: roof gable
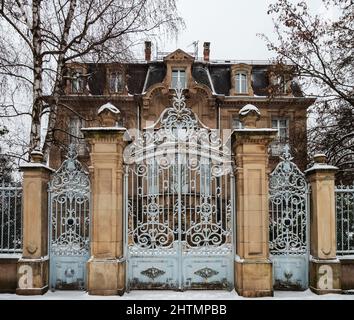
{"x":178,"y":55}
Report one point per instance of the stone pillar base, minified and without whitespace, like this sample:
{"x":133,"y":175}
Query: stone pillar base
{"x":32,"y":276}
{"x":254,"y":278}
{"x":105,"y":277}
{"x":325,"y":276}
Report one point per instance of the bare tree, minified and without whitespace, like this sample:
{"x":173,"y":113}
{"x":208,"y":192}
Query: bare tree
{"x":39,"y":38}
{"x":321,"y":52}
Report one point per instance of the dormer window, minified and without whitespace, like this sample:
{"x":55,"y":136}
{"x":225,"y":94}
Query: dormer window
{"x":178,"y":75}
{"x":116,"y":82}
{"x":77,"y":82}
{"x":282,"y":84}
{"x":241,"y":75}
{"x":241,"y":84}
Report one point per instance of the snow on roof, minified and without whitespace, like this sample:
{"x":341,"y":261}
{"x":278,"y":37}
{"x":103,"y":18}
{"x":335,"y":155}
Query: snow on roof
{"x":108,"y":106}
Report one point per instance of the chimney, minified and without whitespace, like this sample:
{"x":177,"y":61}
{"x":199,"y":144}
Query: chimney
{"x":148,"y":50}
{"x":206,"y":51}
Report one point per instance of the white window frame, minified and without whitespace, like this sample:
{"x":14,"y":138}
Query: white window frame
{"x":75,"y":134}
{"x":278,"y":127}
{"x":77,"y":82}
{"x":118,"y":82}
{"x":241,"y":82}
{"x":282,"y":84}
{"x":237,"y":124}
{"x":179,"y":71}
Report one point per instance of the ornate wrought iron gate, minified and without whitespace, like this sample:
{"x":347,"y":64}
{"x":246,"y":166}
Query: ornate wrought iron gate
{"x":179,"y":205}
{"x":69,"y":224}
{"x":289,"y":225}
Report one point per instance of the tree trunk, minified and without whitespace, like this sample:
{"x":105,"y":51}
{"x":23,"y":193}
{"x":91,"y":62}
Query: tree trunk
{"x":58,"y":85}
{"x":37,"y":107}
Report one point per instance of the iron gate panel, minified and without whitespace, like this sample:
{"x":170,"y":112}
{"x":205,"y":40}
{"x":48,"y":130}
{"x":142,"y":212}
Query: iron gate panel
{"x":69,"y":224}
{"x":288,"y":207}
{"x":179,"y":209}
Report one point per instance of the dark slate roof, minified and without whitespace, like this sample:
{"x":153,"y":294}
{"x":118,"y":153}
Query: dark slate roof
{"x":220,"y":75}
{"x":260,"y":80}
{"x":97,"y":80}
{"x":200,"y":75}
{"x":136,"y":74}
{"x":157,"y":73}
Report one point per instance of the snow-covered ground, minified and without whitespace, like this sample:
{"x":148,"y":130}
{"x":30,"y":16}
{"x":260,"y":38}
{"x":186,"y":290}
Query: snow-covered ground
{"x":172,"y":295}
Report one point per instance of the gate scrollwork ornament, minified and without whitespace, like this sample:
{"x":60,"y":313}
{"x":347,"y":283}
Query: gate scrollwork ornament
{"x":288,"y":192}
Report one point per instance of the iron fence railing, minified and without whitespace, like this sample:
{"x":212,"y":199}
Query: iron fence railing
{"x":345,"y":219}
{"x":10,"y":218}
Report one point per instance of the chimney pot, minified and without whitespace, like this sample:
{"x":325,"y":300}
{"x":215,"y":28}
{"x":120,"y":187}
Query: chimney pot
{"x":148,"y":50}
{"x":206,"y":52}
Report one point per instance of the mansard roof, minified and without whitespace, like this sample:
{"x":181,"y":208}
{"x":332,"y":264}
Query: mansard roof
{"x":141,"y":75}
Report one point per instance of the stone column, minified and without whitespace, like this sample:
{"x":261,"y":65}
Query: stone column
{"x":33,"y":266}
{"x":106,"y":266}
{"x":325,"y":269}
{"x":253,"y":269}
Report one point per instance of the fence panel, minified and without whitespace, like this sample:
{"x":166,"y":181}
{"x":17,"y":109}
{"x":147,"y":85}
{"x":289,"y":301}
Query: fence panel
{"x":345,"y":219}
{"x":10,"y":217}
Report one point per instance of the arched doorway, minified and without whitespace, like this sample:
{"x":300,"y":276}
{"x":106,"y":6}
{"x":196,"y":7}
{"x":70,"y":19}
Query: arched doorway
{"x":179,"y":205}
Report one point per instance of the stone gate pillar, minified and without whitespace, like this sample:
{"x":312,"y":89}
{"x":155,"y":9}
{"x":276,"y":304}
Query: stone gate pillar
{"x":325,"y":268}
{"x":33,"y":266}
{"x":106,"y":266}
{"x":253,"y":269}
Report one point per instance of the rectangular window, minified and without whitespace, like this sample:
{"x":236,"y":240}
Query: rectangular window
{"x":76,"y":136}
{"x":241,"y":83}
{"x":282,"y":125}
{"x":282,"y":84}
{"x":237,"y":124}
{"x":77,"y":82}
{"x":178,"y":75}
{"x":115,"y":82}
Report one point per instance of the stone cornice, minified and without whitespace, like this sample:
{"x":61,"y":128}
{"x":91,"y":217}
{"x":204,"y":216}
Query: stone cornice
{"x":35,"y":166}
{"x":92,"y":98}
{"x":254,"y":135}
{"x":104,"y":134}
{"x":238,"y":100}
{"x":321,"y":168}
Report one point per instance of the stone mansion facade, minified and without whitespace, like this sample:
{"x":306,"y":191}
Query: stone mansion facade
{"x":178,"y":173}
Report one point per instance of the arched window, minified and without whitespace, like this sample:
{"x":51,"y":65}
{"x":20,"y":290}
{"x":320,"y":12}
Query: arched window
{"x":241,"y":83}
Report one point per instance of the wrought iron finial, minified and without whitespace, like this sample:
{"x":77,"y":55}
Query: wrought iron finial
{"x":286,"y":156}
{"x":72,"y":153}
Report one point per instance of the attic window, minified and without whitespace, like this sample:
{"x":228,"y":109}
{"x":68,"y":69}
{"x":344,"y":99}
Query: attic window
{"x":282,"y":84}
{"x":178,"y":75}
{"x":77,"y":82}
{"x":241,"y":84}
{"x":116,"y":82}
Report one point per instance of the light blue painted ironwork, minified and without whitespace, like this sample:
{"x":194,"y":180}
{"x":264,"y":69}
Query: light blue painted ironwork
{"x":10,"y":218}
{"x":288,"y":226}
{"x":69,"y":224}
{"x":345,"y":219}
{"x":178,"y":204}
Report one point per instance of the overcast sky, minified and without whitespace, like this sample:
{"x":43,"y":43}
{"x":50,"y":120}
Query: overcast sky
{"x":231,"y":26}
